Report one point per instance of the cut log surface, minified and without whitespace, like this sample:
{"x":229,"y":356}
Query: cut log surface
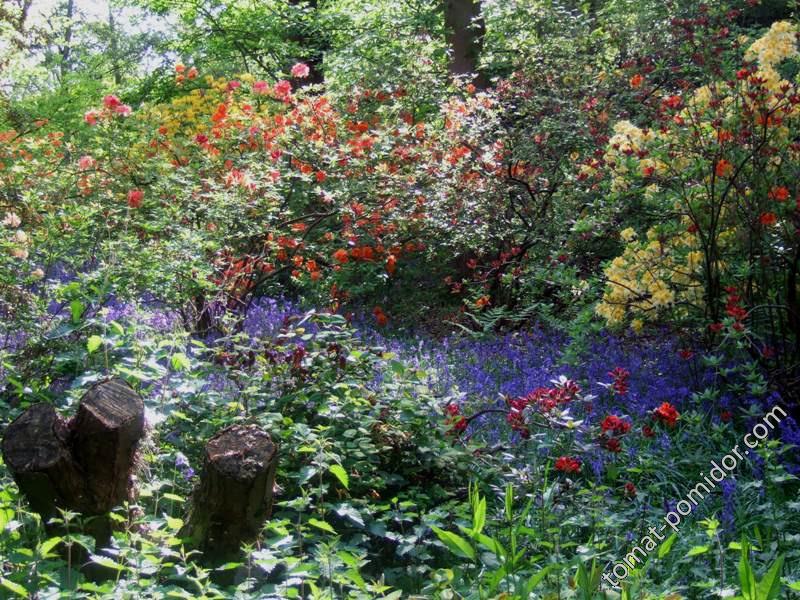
{"x":105,"y":434}
{"x":234,"y":496}
{"x":36,"y":452}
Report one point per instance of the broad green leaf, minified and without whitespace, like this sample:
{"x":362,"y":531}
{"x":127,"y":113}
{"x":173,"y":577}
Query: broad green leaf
{"x":696,"y":550}
{"x":664,"y":549}
{"x":340,"y":474}
{"x":770,"y":586}
{"x":457,"y":545}
{"x":13,"y":587}
{"x":180,"y":362}
{"x":106,"y":562}
{"x":325,"y":526}
{"x":93,"y":343}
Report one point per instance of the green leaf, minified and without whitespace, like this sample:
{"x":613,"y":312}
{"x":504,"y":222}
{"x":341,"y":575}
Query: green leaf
{"x":696,"y":550}
{"x":479,"y":515}
{"x":76,"y":308}
{"x":180,"y":362}
{"x":537,"y":578}
{"x":322,"y":525}
{"x":14,"y":587}
{"x":340,"y":474}
{"x":746,"y":578}
{"x":93,"y":343}
{"x":47,"y":546}
{"x":770,"y":586}
{"x":106,"y":562}
{"x":457,"y":545}
{"x":667,"y":545}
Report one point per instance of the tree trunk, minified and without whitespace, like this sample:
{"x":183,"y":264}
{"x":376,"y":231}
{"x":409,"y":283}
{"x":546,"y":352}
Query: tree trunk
{"x":465,"y":30}
{"x":83,"y":465}
{"x":234,"y":496}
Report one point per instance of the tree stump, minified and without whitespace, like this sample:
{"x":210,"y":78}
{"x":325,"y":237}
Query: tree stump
{"x":83,"y":465}
{"x":234,"y":496}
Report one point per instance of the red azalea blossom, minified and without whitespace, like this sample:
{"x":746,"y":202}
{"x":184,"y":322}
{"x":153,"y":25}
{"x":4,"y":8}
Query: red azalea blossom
{"x":568,"y":464}
{"x":768,"y":218}
{"x":779,"y":193}
{"x":667,"y":414}
{"x":135,"y":198}
{"x":300,"y":70}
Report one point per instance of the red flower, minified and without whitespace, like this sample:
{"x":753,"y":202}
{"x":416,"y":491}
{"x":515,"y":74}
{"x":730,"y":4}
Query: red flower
{"x":647,"y":431}
{"x":723,"y":168}
{"x":341,"y":255}
{"x":380,"y":317}
{"x":620,"y":384}
{"x":568,"y":464}
{"x":636,"y":81}
{"x":686,"y":354}
{"x":300,"y":70}
{"x":768,"y":218}
{"x":111,"y":102}
{"x":614,"y":445}
{"x":725,"y":416}
{"x":716,"y":327}
{"x":630,"y":490}
{"x":283,"y":88}
{"x":779,"y":193}
{"x":616,"y":425}
{"x":667,"y":414}
{"x":135,"y":198}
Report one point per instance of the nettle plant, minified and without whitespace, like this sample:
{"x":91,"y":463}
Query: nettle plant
{"x":711,"y":173}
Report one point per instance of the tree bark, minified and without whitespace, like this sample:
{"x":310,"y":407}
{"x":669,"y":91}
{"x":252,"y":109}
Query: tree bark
{"x":465,"y":30}
{"x":83,"y":465}
{"x":234,"y":496}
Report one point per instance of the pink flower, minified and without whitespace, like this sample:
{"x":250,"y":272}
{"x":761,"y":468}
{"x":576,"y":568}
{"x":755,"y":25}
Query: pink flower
{"x":283,"y":88}
{"x":260,"y":88}
{"x":85,"y":162}
{"x":123,"y":110}
{"x":91,"y":116}
{"x":300,"y":70}
{"x":111,"y":102}
{"x":233,"y":84}
{"x":135,"y":198}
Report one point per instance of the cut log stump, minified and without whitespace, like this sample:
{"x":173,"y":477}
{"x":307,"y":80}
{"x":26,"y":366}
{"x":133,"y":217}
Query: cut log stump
{"x":84,"y":464}
{"x":234,"y":496}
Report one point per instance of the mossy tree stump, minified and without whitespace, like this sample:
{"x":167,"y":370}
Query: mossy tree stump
{"x":234,"y":496}
{"x":84,"y":464}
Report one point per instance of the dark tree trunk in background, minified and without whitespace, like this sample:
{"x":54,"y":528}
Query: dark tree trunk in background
{"x":234,"y":496}
{"x":765,"y":13}
{"x":465,"y":30}
{"x":84,"y":464}
{"x":66,"y":49}
{"x":318,"y":44}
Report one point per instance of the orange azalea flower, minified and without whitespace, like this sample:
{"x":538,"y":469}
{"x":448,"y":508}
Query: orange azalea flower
{"x":391,"y":264}
{"x":723,"y":168}
{"x":636,"y":81}
{"x":341,"y":255}
{"x":482,"y":301}
{"x":779,"y":193}
{"x":768,"y":218}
